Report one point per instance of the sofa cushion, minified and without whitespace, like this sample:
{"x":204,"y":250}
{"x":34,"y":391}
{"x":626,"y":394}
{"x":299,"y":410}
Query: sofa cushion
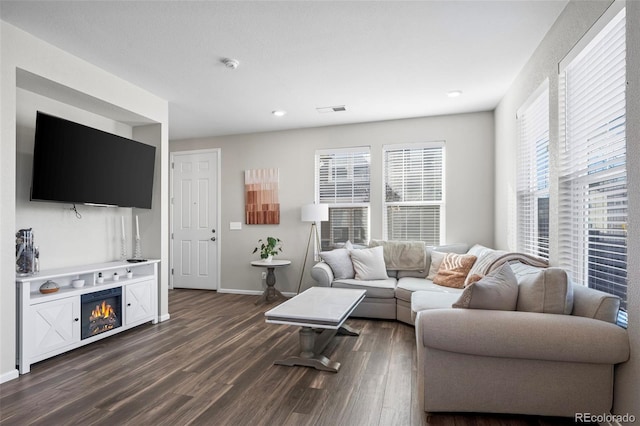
{"x":546,"y":290}
{"x":381,"y":289}
{"x":423,"y":300}
{"x":369,"y":264}
{"x":340,"y":262}
{"x":454,"y":269}
{"x":408,"y":285}
{"x":413,"y":274}
{"x":496,"y":291}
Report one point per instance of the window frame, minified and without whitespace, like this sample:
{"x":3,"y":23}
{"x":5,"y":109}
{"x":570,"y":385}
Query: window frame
{"x":592,"y":263}
{"x":364,"y":150}
{"x":441,"y":203}
{"x":532,"y":167}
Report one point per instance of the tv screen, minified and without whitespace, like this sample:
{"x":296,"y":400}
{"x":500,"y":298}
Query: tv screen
{"x":74,"y":163}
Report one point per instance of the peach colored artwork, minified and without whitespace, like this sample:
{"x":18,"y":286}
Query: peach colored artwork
{"x":262,"y":206}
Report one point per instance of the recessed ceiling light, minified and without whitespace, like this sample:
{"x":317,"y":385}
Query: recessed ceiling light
{"x":454,"y":93}
{"x":279,"y":113}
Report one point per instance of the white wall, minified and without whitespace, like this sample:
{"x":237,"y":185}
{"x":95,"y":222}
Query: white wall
{"x":573,"y":23}
{"x":469,"y":184}
{"x":29,"y":63}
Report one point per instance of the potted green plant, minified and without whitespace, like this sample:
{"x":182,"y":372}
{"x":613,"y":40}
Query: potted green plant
{"x":268,"y":248}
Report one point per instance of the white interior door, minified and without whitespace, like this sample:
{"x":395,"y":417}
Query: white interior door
{"x":194,"y":219}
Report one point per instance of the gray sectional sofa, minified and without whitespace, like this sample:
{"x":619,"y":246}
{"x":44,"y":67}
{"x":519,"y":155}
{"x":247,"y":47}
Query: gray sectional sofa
{"x":528,"y":342}
{"x":390,"y":298}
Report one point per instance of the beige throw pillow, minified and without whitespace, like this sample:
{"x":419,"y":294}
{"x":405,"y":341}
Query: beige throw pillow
{"x":454,"y":269}
{"x":496,"y":291}
{"x":545,"y":290}
{"x":369,"y":264}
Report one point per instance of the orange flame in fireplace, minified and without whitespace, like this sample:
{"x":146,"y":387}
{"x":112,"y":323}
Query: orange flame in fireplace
{"x":103,"y":310}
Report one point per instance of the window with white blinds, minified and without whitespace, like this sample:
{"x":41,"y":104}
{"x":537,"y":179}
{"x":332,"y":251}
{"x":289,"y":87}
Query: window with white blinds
{"x":533,"y":174}
{"x":414,"y":192}
{"x":593,"y":177}
{"x":343,"y":181}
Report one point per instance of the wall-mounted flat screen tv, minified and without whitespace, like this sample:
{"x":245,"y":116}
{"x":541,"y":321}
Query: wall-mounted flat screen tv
{"x":76,"y":164}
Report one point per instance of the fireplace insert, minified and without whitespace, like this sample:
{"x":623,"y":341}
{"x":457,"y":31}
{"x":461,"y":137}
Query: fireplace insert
{"x":101,"y":311}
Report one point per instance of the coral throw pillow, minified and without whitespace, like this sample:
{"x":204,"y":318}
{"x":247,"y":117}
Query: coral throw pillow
{"x":454,"y":269}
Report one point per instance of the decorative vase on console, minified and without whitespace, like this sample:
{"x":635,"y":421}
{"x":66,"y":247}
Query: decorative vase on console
{"x":25,"y":253}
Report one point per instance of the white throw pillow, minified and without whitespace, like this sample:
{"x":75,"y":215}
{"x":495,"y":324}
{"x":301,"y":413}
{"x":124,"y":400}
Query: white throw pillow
{"x":340,"y":263}
{"x":369,"y":264}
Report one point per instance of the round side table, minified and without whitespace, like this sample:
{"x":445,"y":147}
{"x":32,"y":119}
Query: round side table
{"x":271,"y":293}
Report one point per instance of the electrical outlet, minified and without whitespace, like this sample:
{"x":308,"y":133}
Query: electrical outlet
{"x":264,"y":275}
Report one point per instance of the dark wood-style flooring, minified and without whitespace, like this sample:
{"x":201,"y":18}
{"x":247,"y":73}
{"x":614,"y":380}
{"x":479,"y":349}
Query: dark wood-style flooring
{"x":212,"y":364}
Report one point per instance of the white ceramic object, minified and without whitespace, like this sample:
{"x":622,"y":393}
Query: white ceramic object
{"x":77,"y":283}
{"x":129,"y":274}
{"x":116,"y":277}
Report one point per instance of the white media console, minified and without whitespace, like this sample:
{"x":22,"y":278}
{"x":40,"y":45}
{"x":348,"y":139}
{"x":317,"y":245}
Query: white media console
{"x":53,"y":323}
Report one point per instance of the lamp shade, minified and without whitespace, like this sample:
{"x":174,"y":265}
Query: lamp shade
{"x":315,"y":212}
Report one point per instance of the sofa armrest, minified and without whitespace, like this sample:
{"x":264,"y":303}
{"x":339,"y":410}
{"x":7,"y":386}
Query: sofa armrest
{"x":323,"y":274}
{"x":524,"y":335}
{"x":591,"y":303}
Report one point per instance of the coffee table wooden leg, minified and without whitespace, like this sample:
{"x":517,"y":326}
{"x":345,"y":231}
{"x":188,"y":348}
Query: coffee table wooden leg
{"x":345,"y":330}
{"x":310,"y":347}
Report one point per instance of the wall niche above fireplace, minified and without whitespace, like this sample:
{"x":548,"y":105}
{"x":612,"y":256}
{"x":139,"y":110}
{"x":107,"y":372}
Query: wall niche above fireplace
{"x":50,"y":324}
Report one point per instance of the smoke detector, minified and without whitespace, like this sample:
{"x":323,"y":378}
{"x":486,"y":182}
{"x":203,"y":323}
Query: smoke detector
{"x":231,"y":63}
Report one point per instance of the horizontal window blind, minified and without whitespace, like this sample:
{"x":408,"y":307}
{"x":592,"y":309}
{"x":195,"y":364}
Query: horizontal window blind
{"x":343,"y":176}
{"x":593,"y":177}
{"x":343,"y":181}
{"x":414,"y":198}
{"x":533,"y":174}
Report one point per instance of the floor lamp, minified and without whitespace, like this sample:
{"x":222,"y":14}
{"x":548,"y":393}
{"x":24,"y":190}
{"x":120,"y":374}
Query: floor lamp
{"x":313,"y":213}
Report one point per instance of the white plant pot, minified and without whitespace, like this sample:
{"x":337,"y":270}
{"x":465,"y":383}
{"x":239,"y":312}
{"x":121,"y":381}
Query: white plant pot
{"x":269,"y":259}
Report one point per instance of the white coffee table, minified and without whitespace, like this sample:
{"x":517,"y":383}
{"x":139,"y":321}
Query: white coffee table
{"x":323,"y":308}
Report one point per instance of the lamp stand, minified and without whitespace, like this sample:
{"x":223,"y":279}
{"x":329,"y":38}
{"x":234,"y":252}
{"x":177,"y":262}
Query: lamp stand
{"x":306,"y":252}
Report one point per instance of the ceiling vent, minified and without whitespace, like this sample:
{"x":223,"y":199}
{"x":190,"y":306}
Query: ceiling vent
{"x":337,"y":108}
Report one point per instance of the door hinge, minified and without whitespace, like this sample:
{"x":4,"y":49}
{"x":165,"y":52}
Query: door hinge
{"x":173,"y":165}
{"x":172,"y":235}
{"x":171,"y":271}
{"x":171,"y":200}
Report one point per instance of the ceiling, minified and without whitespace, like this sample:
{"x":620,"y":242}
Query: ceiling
{"x":380,"y":59}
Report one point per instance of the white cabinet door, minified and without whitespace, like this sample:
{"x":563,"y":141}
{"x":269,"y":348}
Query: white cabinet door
{"x":55,"y":324}
{"x":138,"y":301}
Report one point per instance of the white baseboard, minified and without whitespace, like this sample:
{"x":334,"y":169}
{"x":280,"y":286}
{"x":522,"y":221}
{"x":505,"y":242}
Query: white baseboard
{"x":236,"y":291}
{"x":10,"y":375}
{"x":251,"y":292}
{"x":163,"y":318}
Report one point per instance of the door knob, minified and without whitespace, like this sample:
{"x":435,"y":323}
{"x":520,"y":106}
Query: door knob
{"x":213,"y":230}
{"x":213,"y":238}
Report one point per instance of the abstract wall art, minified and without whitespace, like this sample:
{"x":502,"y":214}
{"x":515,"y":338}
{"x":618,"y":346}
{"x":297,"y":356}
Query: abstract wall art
{"x":262,"y":206}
